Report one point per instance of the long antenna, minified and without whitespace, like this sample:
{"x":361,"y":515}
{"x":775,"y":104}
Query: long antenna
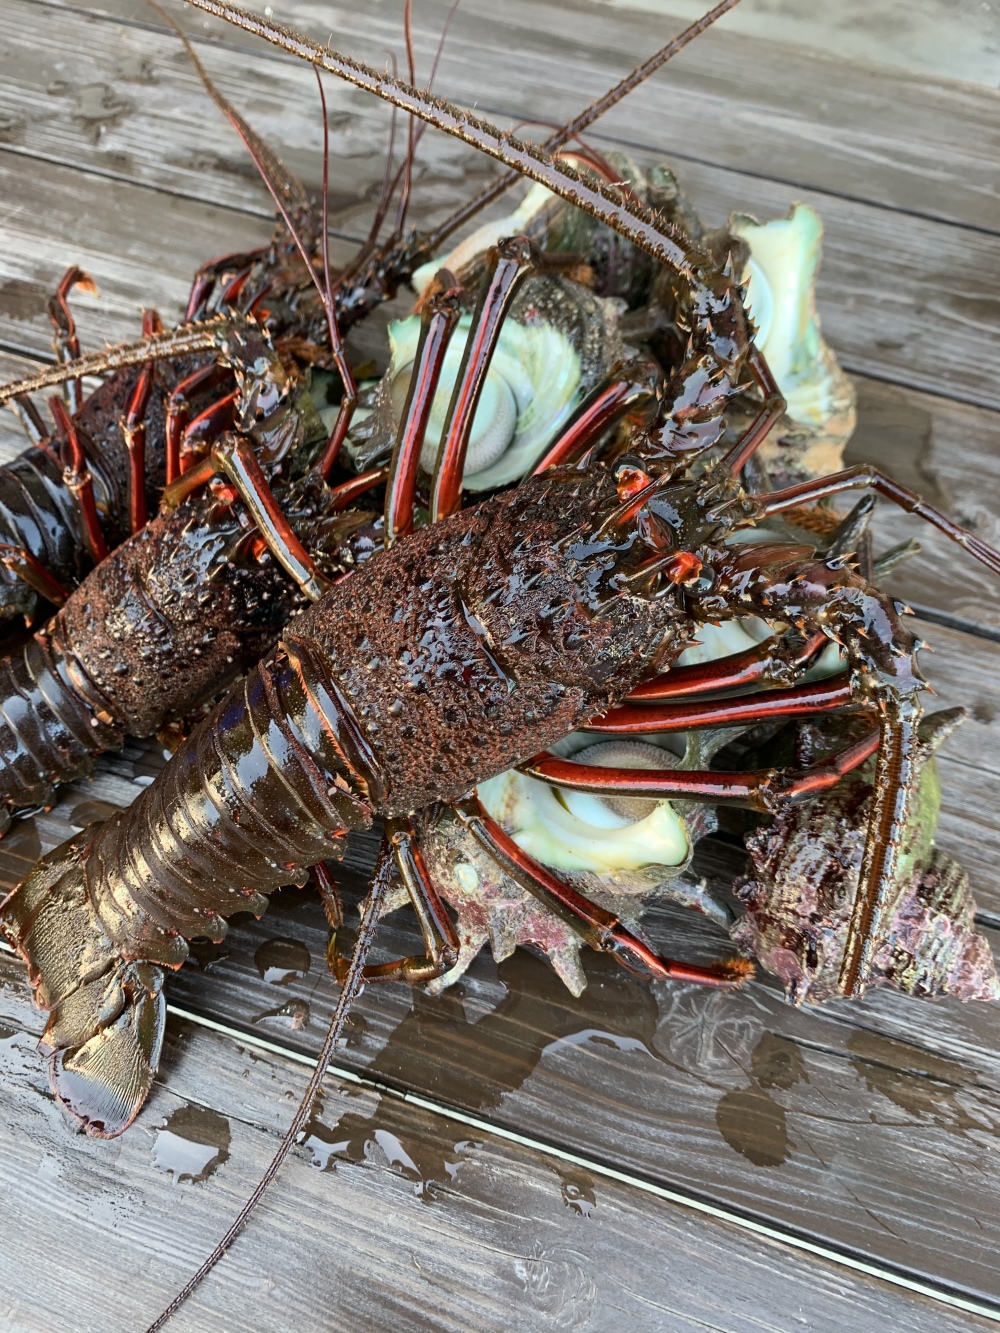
{"x":351,"y":990}
{"x":574,"y":128}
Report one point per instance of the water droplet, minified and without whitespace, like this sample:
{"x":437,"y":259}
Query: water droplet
{"x":578,"y":1192}
{"x":192,"y":1145}
{"x":293,"y":1014}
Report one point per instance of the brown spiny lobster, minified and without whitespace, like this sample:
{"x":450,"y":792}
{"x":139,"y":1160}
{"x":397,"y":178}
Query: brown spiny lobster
{"x":467,"y":648}
{"x":180,"y":609}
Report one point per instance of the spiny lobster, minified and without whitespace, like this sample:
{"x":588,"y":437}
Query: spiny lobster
{"x":558,"y":605}
{"x":184,"y":606}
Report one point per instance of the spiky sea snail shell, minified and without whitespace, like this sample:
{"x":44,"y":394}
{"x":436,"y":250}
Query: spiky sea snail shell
{"x":531,"y":388}
{"x":558,"y":341}
{"x":781,"y":272}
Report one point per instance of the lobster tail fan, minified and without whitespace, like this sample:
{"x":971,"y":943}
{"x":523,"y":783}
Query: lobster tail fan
{"x":106,"y":1014}
{"x":104,"y":1081}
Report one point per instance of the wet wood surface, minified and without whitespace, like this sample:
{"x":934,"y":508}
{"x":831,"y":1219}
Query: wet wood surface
{"x":868,"y":1130}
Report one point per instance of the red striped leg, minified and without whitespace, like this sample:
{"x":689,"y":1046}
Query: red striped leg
{"x":134,"y":430}
{"x":64,"y":341}
{"x":893,"y":794}
{"x":79,"y":482}
{"x":772,"y":664}
{"x":513,"y":263}
{"x":769,"y":414}
{"x":823,"y":696}
{"x":207,"y":426}
{"x":764,"y":789}
{"x":31,"y":421}
{"x":866,"y":477}
{"x":438,"y":321}
{"x":179,"y":407}
{"x":600,"y":410}
{"x":32,"y":572}
{"x":601,"y":930}
{"x":341,"y":496}
{"x":234,"y":458}
{"x":439,"y":934}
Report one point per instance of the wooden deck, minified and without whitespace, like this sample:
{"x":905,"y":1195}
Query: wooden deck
{"x":506,"y":1157}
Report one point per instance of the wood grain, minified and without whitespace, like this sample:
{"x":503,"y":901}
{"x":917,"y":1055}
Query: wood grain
{"x":413,"y":1224}
{"x":909,"y":142}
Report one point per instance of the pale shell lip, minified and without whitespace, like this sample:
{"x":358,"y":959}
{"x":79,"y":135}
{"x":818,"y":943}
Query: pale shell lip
{"x":584,"y":834}
{"x":532,"y":388}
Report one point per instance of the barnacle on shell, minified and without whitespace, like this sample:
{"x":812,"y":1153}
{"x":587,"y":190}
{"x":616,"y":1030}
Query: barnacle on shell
{"x":807,"y":864}
{"x":781,"y":272}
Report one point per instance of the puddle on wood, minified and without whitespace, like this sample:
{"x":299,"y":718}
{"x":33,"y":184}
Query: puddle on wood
{"x":749,"y":1119}
{"x":206,"y":953}
{"x":923,"y":1085}
{"x":281,"y":960}
{"x":192,"y":1144}
{"x":578,"y":1191}
{"x":536,"y":1015}
{"x":358,"y":1139}
{"x":293,"y":1014}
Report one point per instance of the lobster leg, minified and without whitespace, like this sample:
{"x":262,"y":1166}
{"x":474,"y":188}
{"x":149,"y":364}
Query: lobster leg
{"x":765,"y":789}
{"x":32,"y":572}
{"x":31,"y":420}
{"x":79,"y":482}
{"x":207,"y":426}
{"x":178,"y":407}
{"x":134,"y":431}
{"x":619,"y":396}
{"x":512,"y":264}
{"x":772,"y":664}
{"x":822,"y":696}
{"x":438,"y":320}
{"x":234,"y":458}
{"x":602,"y":930}
{"x":866,"y":477}
{"x":770,"y":413}
{"x":435,"y":923}
{"x":65,"y":341}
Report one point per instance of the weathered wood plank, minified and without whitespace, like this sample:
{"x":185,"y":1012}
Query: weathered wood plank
{"x":737,"y":1097}
{"x":910,"y":142}
{"x":903,"y":297}
{"x":413,"y":1224}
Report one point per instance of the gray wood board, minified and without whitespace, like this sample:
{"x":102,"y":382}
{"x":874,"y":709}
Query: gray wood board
{"x":413,"y":1222}
{"x":910,"y":142}
{"x":903,"y":297}
{"x":869,"y":1126}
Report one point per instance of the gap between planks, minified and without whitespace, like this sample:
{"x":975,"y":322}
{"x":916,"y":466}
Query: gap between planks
{"x":550,"y":1150}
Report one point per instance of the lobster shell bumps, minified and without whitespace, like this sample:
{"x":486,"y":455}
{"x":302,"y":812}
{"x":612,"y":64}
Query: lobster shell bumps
{"x":342,"y":720}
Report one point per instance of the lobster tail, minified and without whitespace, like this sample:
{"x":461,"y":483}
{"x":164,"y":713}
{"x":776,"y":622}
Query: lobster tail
{"x":49,"y":730}
{"x":106,"y":1015}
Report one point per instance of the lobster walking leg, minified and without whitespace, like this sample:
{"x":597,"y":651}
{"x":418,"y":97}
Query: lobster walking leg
{"x":509,"y":267}
{"x":134,"y":431}
{"x":432,"y":916}
{"x":766,"y":790}
{"x":234,"y":458}
{"x":178,"y":410}
{"x":65,"y":342}
{"x":438,"y":320}
{"x":601,"y":929}
{"x":772,"y":664}
{"x":79,"y":482}
{"x":864,"y":477}
{"x":822,"y":696}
